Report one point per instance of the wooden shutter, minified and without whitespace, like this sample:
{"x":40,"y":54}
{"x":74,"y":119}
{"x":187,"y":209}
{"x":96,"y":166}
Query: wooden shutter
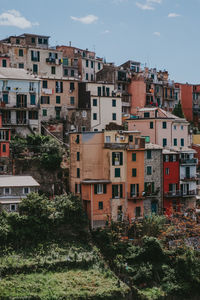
{"x":121,"y":190}
{"x":138,"y":189}
{"x":121,"y":158}
{"x":38,"y":56}
{"x":95,"y":188}
{"x":113,"y":158}
{"x":113,"y":191}
{"x":105,"y":188}
{"x":75,"y":187}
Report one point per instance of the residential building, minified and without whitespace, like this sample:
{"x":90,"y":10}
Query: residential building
{"x":153,"y":179}
{"x":105,"y":107}
{"x":83,"y":62}
{"x":13,"y":189}
{"x":113,"y":189}
{"x":5,"y":136}
{"x":161,"y":127}
{"x":32,"y":53}
{"x":19,"y":100}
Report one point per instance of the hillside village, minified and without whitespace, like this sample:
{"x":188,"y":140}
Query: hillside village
{"x":88,"y":145}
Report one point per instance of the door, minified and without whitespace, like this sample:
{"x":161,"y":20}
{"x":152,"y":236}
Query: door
{"x":154,"y":207}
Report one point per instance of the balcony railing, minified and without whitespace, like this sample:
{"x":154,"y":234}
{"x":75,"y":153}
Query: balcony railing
{"x":189,"y":161}
{"x":135,"y":196}
{"x":55,"y":61}
{"x":187,"y":178}
{"x":178,"y":193}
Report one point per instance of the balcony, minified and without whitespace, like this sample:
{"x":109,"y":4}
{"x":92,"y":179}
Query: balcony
{"x":187,"y":178}
{"x":189,"y":193}
{"x":136,"y":196}
{"x":191,"y":161}
{"x":172,"y":194}
{"x":47,"y":91}
{"x":54,"y":61}
{"x":32,"y":90}
{"x":22,"y":121}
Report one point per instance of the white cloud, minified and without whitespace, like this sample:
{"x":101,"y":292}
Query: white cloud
{"x":14,"y":18}
{"x":89,"y":19}
{"x":173,"y":15}
{"x":148,"y":5}
{"x":157,"y":33}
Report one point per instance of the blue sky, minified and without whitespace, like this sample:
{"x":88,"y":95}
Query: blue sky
{"x":159,"y":33}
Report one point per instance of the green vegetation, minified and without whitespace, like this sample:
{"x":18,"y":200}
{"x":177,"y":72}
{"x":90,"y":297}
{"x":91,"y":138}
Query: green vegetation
{"x":146,"y":263}
{"x":46,"y":253}
{"x":43,"y":148}
{"x":178,"y":110}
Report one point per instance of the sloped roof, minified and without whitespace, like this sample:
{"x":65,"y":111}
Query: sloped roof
{"x":17,"y":74}
{"x":17,"y":181}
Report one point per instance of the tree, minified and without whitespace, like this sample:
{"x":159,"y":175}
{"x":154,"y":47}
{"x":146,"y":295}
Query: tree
{"x":178,"y":110}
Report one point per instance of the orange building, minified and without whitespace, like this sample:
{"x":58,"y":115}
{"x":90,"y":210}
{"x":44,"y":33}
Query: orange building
{"x":105,"y":170}
{"x":5,"y":136}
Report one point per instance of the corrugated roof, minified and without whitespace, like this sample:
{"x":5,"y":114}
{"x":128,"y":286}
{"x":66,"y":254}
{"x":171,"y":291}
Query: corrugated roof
{"x":14,"y":73}
{"x":17,"y":181}
{"x":153,"y":146}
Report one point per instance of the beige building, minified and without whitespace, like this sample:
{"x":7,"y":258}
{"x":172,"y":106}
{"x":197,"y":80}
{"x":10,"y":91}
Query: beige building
{"x":105,"y":106}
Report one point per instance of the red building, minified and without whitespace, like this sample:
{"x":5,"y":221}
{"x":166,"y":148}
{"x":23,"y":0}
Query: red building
{"x":171,"y":185}
{"x":5,"y":136}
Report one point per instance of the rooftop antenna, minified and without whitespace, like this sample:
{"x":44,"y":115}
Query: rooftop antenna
{"x":70,"y":43}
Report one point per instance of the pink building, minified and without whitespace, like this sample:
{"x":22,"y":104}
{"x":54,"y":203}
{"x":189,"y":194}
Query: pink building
{"x":161,"y":127}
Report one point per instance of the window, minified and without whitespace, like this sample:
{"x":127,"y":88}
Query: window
{"x":35,"y":56}
{"x":21,"y":66}
{"x":133,"y":156}
{"x":117,"y":158}
{"x":7,"y":191}
{"x":21,"y":100}
{"x":149,"y":170}
{"x":33,"y":115}
{"x":130,"y":137}
{"x":4,"y":63}
{"x":117,"y":191}
{"x":5,"y":98}
{"x":83,"y":128}
{"x":117,"y":172}
{"x":92,"y":64}
{"x":107,"y":139}
{"x":65,"y":72}
{"x":44,"y":112}
{"x":182,"y":142}
{"x":35,"y":69}
{"x":26,"y":190}
{"x":32,"y":99}
{"x":99,"y":66}
{"x":21,"y":52}
{"x":149,"y":156}
{"x":94,"y":116}
{"x":4,"y":147}
{"x":94,"y":102}
{"x":99,"y":91}
{"x":17,"y":41}
{"x":33,"y":40}
{"x":77,"y":139}
{"x":71,"y":86}
{"x":72,"y":73}
{"x":78,"y":173}
{"x":149,"y":188}
{"x":137,"y":211}
{"x":134,"y":172}
{"x":100,"y":205}
{"x":44,"y":84}
{"x":92,"y":77}
{"x":57,"y":109}
{"x":13,"y":207}
{"x":108,"y":92}
{"x":181,"y":127}
{"x":58,"y":99}
{"x":72,"y":100}
{"x":45,"y":100}
{"x":78,"y":156}
{"x":86,"y":63}
{"x":59,"y":87}
{"x":175,"y":142}
{"x":146,"y":115}
{"x":53,"y":70}
{"x":84,"y":113}
{"x":114,"y":117}
{"x":100,"y":188}
{"x":166,"y":171}
{"x":164,"y":125}
{"x":113,"y":103}
{"x":164,"y":142}
{"x":174,"y":127}
{"x":86,"y":76}
{"x":151,"y":125}
{"x":134,"y":190}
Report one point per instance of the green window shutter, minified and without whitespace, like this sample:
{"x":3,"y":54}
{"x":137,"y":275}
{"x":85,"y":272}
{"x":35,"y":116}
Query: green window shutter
{"x":48,"y":100}
{"x":130,"y":138}
{"x":105,"y":188}
{"x":170,"y":187}
{"x":113,"y":191}
{"x":78,"y":156}
{"x":4,"y":147}
{"x":133,"y":156}
{"x":58,"y":99}
{"x":151,"y":125}
{"x":132,"y":191}
{"x":134,"y":172}
{"x":7,"y":135}
{"x":145,"y":187}
{"x":95,"y":188}
{"x":80,"y":188}
{"x":137,"y":189}
{"x":113,"y":158}
{"x":31,"y":55}
{"x":38,"y":56}
{"x":121,"y":190}
{"x":75,"y":187}
{"x":32,"y":99}
{"x":152,"y":187}
{"x":117,"y":172}
{"x":121,"y":158}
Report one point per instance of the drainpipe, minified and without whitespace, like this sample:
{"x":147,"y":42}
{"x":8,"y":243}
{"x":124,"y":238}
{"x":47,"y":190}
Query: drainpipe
{"x":91,"y":206}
